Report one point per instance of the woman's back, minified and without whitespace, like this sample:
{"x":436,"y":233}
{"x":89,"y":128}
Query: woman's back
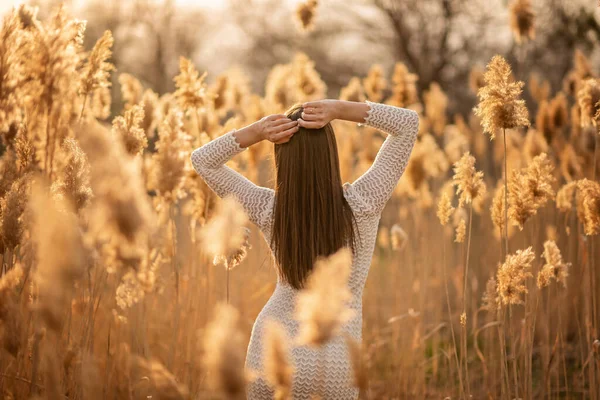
{"x":326,"y":371}
{"x":332,"y":362}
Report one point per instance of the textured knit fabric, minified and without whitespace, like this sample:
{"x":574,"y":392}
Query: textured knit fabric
{"x":328,"y":369}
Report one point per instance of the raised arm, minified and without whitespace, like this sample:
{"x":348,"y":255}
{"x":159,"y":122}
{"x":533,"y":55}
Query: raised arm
{"x":209,"y":162}
{"x":377,"y":184}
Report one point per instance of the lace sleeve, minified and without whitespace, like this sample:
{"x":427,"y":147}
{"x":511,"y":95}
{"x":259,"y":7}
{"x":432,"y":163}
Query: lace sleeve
{"x":209,"y":162}
{"x":377,"y":184}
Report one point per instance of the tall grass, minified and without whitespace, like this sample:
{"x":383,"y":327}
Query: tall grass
{"x":117,"y":258}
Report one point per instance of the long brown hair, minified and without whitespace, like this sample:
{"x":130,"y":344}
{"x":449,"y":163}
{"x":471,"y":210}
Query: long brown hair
{"x":311,"y":216}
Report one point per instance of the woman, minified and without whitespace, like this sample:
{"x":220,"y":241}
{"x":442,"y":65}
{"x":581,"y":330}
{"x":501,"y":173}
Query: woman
{"x":309,"y":214}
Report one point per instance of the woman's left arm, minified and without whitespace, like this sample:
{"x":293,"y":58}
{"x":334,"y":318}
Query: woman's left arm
{"x":209,"y":162}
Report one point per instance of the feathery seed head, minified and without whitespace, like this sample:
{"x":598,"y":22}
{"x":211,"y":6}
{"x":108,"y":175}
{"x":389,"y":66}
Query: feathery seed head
{"x":461,"y":231}
{"x":128,"y":130}
{"x":554,"y":268}
{"x":60,"y":254}
{"x":436,"y":103}
{"x":588,"y":98}
{"x":499,"y":104}
{"x":522,"y":20}
{"x":565,"y":196}
{"x":512,"y":275}
{"x":359,"y":368}
{"x":469,"y":182}
{"x":161,"y":383}
{"x":353,"y":91}
{"x":96,"y":72}
{"x":590,"y":206}
{"x":170,"y":162}
{"x":445,"y":208}
{"x":131,"y":90}
{"x":491,"y":301}
{"x":398,"y":237}
{"x":224,"y":234}
{"x":279,"y":372}
{"x":305,"y":14}
{"x":224,"y":353}
{"x":74,"y":182}
{"x":191,"y":90}
{"x":404,"y":90}
{"x":375,"y":83}
{"x":321,"y":308}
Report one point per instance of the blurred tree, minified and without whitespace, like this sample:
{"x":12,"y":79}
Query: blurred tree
{"x":149,"y":36}
{"x":439,"y":40}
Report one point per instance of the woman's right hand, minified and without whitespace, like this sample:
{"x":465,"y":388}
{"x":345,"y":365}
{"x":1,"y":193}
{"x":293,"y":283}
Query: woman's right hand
{"x":277,"y":128}
{"x":317,"y":114}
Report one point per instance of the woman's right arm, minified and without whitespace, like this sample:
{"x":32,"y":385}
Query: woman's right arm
{"x":401,"y":125}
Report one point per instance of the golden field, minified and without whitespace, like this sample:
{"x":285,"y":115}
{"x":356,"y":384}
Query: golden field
{"x":117,"y":259}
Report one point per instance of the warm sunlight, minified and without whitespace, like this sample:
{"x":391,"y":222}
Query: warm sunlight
{"x":299,"y":199}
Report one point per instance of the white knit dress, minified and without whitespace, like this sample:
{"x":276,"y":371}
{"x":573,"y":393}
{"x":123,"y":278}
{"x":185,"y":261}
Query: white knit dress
{"x":367,"y":196}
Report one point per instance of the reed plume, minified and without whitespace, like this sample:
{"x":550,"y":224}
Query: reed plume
{"x":121,"y":212}
{"x":279,"y":371}
{"x":535,"y":144}
{"x":192,"y":92}
{"x":96,"y":72}
{"x":150,"y":106}
{"x":131,"y":90}
{"x":404,"y":91}
{"x":321,"y":308}
{"x":512,"y":274}
{"x":582,"y":70}
{"x":12,"y":69}
{"x":497,"y":209}
{"x":559,"y":114}
{"x":398,"y":237}
{"x":445,"y":208}
{"x":436,"y":103}
{"x":375,"y":83}
{"x":456,"y":143}
{"x":554,"y":268}
{"x":60,"y":255}
{"x":128,"y":129}
{"x":520,"y":199}
{"x":12,"y":207}
{"x":499,"y":104}
{"x":74,"y":181}
{"x":476,"y":79}
{"x":360,"y":374}
{"x":461,"y":231}
{"x":276,"y":87}
{"x":353,"y":91}
{"x":305,"y":14}
{"x":224,"y":353}
{"x":224,"y":234}
{"x":10,"y":315}
{"x":171,"y":160}
{"x":305,"y":83}
{"x":469,"y":182}
{"x":52,"y":68}
{"x":590,"y":198}
{"x":159,"y":382}
{"x":588,"y":98}
{"x":491,"y":300}
{"x":522,"y":20}
{"x":539,"y":176}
